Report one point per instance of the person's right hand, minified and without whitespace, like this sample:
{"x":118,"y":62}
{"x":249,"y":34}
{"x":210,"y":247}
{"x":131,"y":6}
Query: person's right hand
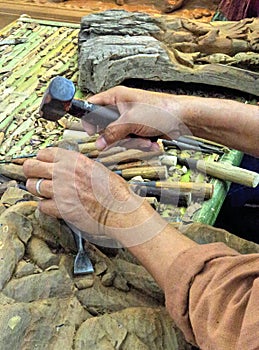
{"x":143,"y":113}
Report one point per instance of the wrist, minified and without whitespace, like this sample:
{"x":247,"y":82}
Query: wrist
{"x":137,"y":226}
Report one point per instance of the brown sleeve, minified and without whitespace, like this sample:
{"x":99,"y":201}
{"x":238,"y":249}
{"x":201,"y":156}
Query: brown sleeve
{"x":212,"y":293}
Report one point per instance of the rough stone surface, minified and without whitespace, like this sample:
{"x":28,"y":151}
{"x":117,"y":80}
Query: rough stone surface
{"x":134,"y":328}
{"x":45,"y":324}
{"x":24,"y":269}
{"x":44,"y":306}
{"x":39,"y":286}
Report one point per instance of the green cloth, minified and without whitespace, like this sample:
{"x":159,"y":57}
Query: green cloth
{"x":218,"y":17}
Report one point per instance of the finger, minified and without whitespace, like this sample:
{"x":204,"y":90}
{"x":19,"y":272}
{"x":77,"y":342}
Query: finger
{"x":48,"y":206}
{"x":37,"y":169}
{"x":46,"y":187}
{"x":89,"y":128}
{"x":48,"y":154}
{"x":105,"y":98}
{"x":113,"y":133}
{"x":137,"y":143}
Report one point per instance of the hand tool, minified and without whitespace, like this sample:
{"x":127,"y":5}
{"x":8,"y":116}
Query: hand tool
{"x":223,"y":171}
{"x":197,"y":189}
{"x":204,"y":144}
{"x":147,"y":172}
{"x":164,"y":195}
{"x":128,"y":156}
{"x":82,"y":263}
{"x":59,"y":100}
{"x":184,"y":143}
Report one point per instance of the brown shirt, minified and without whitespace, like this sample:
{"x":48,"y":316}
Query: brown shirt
{"x":212,"y":293}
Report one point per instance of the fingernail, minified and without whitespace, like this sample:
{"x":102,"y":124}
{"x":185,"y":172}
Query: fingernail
{"x":100,"y":143}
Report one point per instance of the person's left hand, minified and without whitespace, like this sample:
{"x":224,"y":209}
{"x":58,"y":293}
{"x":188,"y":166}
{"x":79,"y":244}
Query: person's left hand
{"x":85,"y":193}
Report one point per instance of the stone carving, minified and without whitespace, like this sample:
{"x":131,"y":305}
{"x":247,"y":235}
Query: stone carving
{"x":117,"y":45}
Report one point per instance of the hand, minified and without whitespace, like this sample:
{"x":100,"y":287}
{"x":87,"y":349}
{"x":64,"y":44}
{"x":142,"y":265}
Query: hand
{"x":143,"y":113}
{"x":88,"y":195}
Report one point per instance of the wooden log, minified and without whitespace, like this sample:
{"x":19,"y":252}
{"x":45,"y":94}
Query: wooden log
{"x":167,"y":49}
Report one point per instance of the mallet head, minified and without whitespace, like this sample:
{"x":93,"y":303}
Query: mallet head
{"x":57,"y":99}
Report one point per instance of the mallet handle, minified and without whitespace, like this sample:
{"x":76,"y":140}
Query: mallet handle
{"x":94,"y":114}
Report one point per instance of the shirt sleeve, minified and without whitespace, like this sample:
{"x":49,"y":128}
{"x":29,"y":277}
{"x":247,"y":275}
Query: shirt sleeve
{"x":212,"y":293}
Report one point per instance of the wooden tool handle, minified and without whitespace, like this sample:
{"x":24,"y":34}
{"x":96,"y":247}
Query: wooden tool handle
{"x":152,"y":172}
{"x":129,"y":155}
{"x":228,"y":172}
{"x":197,"y":189}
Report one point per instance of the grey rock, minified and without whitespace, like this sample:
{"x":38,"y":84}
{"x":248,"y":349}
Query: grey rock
{"x":53,"y":229}
{"x":111,"y":299}
{"x":44,"y":285}
{"x":85,"y":282}
{"x":41,"y":254}
{"x":45,"y":324}
{"x":138,"y":277}
{"x":11,"y":249}
{"x":133,"y":328}
{"x":24,"y":269}
{"x":100,"y":267}
{"x":14,"y":194}
{"x":108,"y":278}
{"x":24,"y":227}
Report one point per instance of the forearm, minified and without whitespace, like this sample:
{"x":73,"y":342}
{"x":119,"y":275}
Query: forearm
{"x":153,"y":241}
{"x":231,"y":123}
{"x":157,"y":254}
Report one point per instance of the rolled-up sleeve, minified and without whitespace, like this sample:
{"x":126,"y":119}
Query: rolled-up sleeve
{"x":212,"y":293}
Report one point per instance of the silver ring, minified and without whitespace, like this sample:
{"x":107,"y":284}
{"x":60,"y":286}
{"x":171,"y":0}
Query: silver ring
{"x":38,"y":186}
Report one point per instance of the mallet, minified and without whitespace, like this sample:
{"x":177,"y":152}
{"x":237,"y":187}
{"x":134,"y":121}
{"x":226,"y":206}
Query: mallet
{"x":59,"y":100}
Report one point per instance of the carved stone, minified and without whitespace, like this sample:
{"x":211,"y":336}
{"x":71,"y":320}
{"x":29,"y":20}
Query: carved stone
{"x":118,"y":45}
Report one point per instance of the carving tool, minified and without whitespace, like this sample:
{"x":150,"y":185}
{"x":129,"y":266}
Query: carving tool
{"x":164,"y":195}
{"x":197,"y":189}
{"x":129,"y":156}
{"x":82,"y":263}
{"x":148,"y":172}
{"x":223,"y":171}
{"x":184,"y":143}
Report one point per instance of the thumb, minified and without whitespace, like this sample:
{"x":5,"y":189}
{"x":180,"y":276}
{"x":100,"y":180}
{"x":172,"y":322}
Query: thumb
{"x":114,"y":132}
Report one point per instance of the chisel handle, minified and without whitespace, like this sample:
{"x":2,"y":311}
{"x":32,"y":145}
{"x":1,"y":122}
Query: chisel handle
{"x":228,"y":172}
{"x":152,"y":172}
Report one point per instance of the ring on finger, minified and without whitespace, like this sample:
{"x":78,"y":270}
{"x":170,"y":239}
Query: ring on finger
{"x":37,"y":187}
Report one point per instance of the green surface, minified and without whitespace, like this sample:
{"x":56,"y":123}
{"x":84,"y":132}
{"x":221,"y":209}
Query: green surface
{"x":210,"y":209}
